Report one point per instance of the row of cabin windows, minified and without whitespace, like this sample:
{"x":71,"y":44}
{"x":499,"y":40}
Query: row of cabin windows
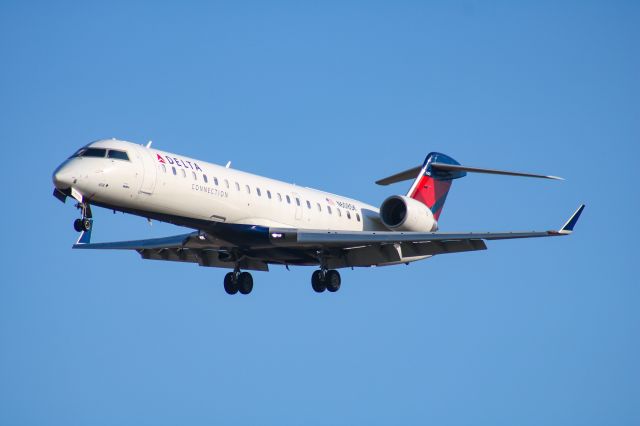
{"x":259,"y":192}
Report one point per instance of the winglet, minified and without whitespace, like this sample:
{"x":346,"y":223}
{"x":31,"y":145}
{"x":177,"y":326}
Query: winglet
{"x":571,"y":223}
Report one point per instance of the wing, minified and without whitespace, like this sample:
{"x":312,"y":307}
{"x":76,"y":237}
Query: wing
{"x":194,"y":247}
{"x":254,"y":247}
{"x":384,"y":248}
{"x":288,"y":237}
{"x":175,"y":242}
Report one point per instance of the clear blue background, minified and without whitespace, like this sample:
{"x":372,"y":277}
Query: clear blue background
{"x":334,"y":96}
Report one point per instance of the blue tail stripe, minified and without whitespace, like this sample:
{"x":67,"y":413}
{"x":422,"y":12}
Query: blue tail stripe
{"x":438,"y":157}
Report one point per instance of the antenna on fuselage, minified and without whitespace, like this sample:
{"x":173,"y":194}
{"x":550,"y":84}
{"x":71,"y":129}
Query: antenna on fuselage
{"x":149,"y":144}
{"x":228,"y":164}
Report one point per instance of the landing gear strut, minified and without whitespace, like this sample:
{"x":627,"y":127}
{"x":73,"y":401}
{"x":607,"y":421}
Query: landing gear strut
{"x":83,"y":224}
{"x":237,"y":281}
{"x":322,"y":280}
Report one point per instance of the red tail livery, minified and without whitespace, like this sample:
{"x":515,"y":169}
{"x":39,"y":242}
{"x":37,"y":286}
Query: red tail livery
{"x":432,"y":185}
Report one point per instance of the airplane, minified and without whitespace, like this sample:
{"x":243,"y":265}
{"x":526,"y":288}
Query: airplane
{"x":246,"y":222}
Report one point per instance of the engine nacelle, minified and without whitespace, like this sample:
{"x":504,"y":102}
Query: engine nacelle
{"x":400,"y":213}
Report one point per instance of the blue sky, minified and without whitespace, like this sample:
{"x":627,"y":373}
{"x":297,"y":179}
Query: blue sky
{"x":331,"y":95}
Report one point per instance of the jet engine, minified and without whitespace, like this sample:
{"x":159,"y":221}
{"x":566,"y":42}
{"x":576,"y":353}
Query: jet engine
{"x":400,"y":213}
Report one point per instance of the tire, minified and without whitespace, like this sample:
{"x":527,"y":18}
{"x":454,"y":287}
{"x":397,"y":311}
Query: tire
{"x":86,"y":225}
{"x":230,"y":285}
{"x":245,"y":282}
{"x":317,"y":283}
{"x":77,"y":225}
{"x":332,"y":280}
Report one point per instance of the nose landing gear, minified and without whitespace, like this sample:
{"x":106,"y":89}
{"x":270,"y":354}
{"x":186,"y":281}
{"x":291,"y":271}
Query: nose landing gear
{"x":83,"y":224}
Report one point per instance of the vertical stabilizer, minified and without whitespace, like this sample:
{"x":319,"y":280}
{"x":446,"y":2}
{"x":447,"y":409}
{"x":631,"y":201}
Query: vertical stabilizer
{"x":431,"y":186}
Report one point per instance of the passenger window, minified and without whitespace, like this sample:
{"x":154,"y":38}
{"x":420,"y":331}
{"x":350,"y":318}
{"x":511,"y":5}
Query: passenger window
{"x":298,"y":201}
{"x":308,"y":204}
{"x":339,"y":212}
{"x":329,"y":209}
{"x":204,"y":177}
{"x":94,"y":152}
{"x":319,"y":207}
{"x":358,"y":217}
{"x":184,"y":174}
{"x":164,"y":168}
{"x":288,"y":200}
{"x":248,"y":189}
{"x":226,"y":183}
{"x":268,"y":194}
{"x":237,"y":186}
{"x":215,"y":181}
{"x":118,"y":155}
{"x":258,"y":192}
{"x":279,"y":197}
{"x":348,"y":214}
{"x":174,"y":170}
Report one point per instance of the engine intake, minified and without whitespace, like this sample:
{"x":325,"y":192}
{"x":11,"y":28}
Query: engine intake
{"x":400,"y":213}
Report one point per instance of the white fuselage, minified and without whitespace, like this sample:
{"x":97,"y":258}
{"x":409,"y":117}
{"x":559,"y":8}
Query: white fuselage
{"x":159,"y":182}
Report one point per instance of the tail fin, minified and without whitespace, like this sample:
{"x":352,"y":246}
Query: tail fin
{"x":432,"y":185}
{"x":434,"y":179}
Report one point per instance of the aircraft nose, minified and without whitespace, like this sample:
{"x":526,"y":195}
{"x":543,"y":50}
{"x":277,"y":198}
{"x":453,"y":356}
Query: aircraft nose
{"x":62,"y":177}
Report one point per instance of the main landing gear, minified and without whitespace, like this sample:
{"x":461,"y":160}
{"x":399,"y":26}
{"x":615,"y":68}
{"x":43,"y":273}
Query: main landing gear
{"x":83,"y":224}
{"x":322,"y":280}
{"x":237,"y":281}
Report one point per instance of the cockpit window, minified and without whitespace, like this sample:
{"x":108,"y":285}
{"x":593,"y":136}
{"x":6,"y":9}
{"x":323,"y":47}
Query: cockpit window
{"x":90,"y":152}
{"x":94,"y":152}
{"x":119,"y":155}
{"x":101,"y":153}
{"x":79,"y":152}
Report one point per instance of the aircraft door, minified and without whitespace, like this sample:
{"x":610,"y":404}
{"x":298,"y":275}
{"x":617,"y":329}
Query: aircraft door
{"x":145,"y":155}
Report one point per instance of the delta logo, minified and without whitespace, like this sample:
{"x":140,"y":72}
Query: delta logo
{"x":181,"y":163}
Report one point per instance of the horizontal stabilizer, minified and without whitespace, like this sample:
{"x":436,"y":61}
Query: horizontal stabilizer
{"x":413,"y":172}
{"x":453,"y":167}
{"x":400,"y":177}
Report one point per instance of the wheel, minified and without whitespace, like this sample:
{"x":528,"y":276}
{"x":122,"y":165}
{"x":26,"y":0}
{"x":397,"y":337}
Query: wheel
{"x":317,"y":282}
{"x":86,"y":224}
{"x":230,"y":284}
{"x":245,"y":282}
{"x":77,"y":225}
{"x":332,"y":280}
